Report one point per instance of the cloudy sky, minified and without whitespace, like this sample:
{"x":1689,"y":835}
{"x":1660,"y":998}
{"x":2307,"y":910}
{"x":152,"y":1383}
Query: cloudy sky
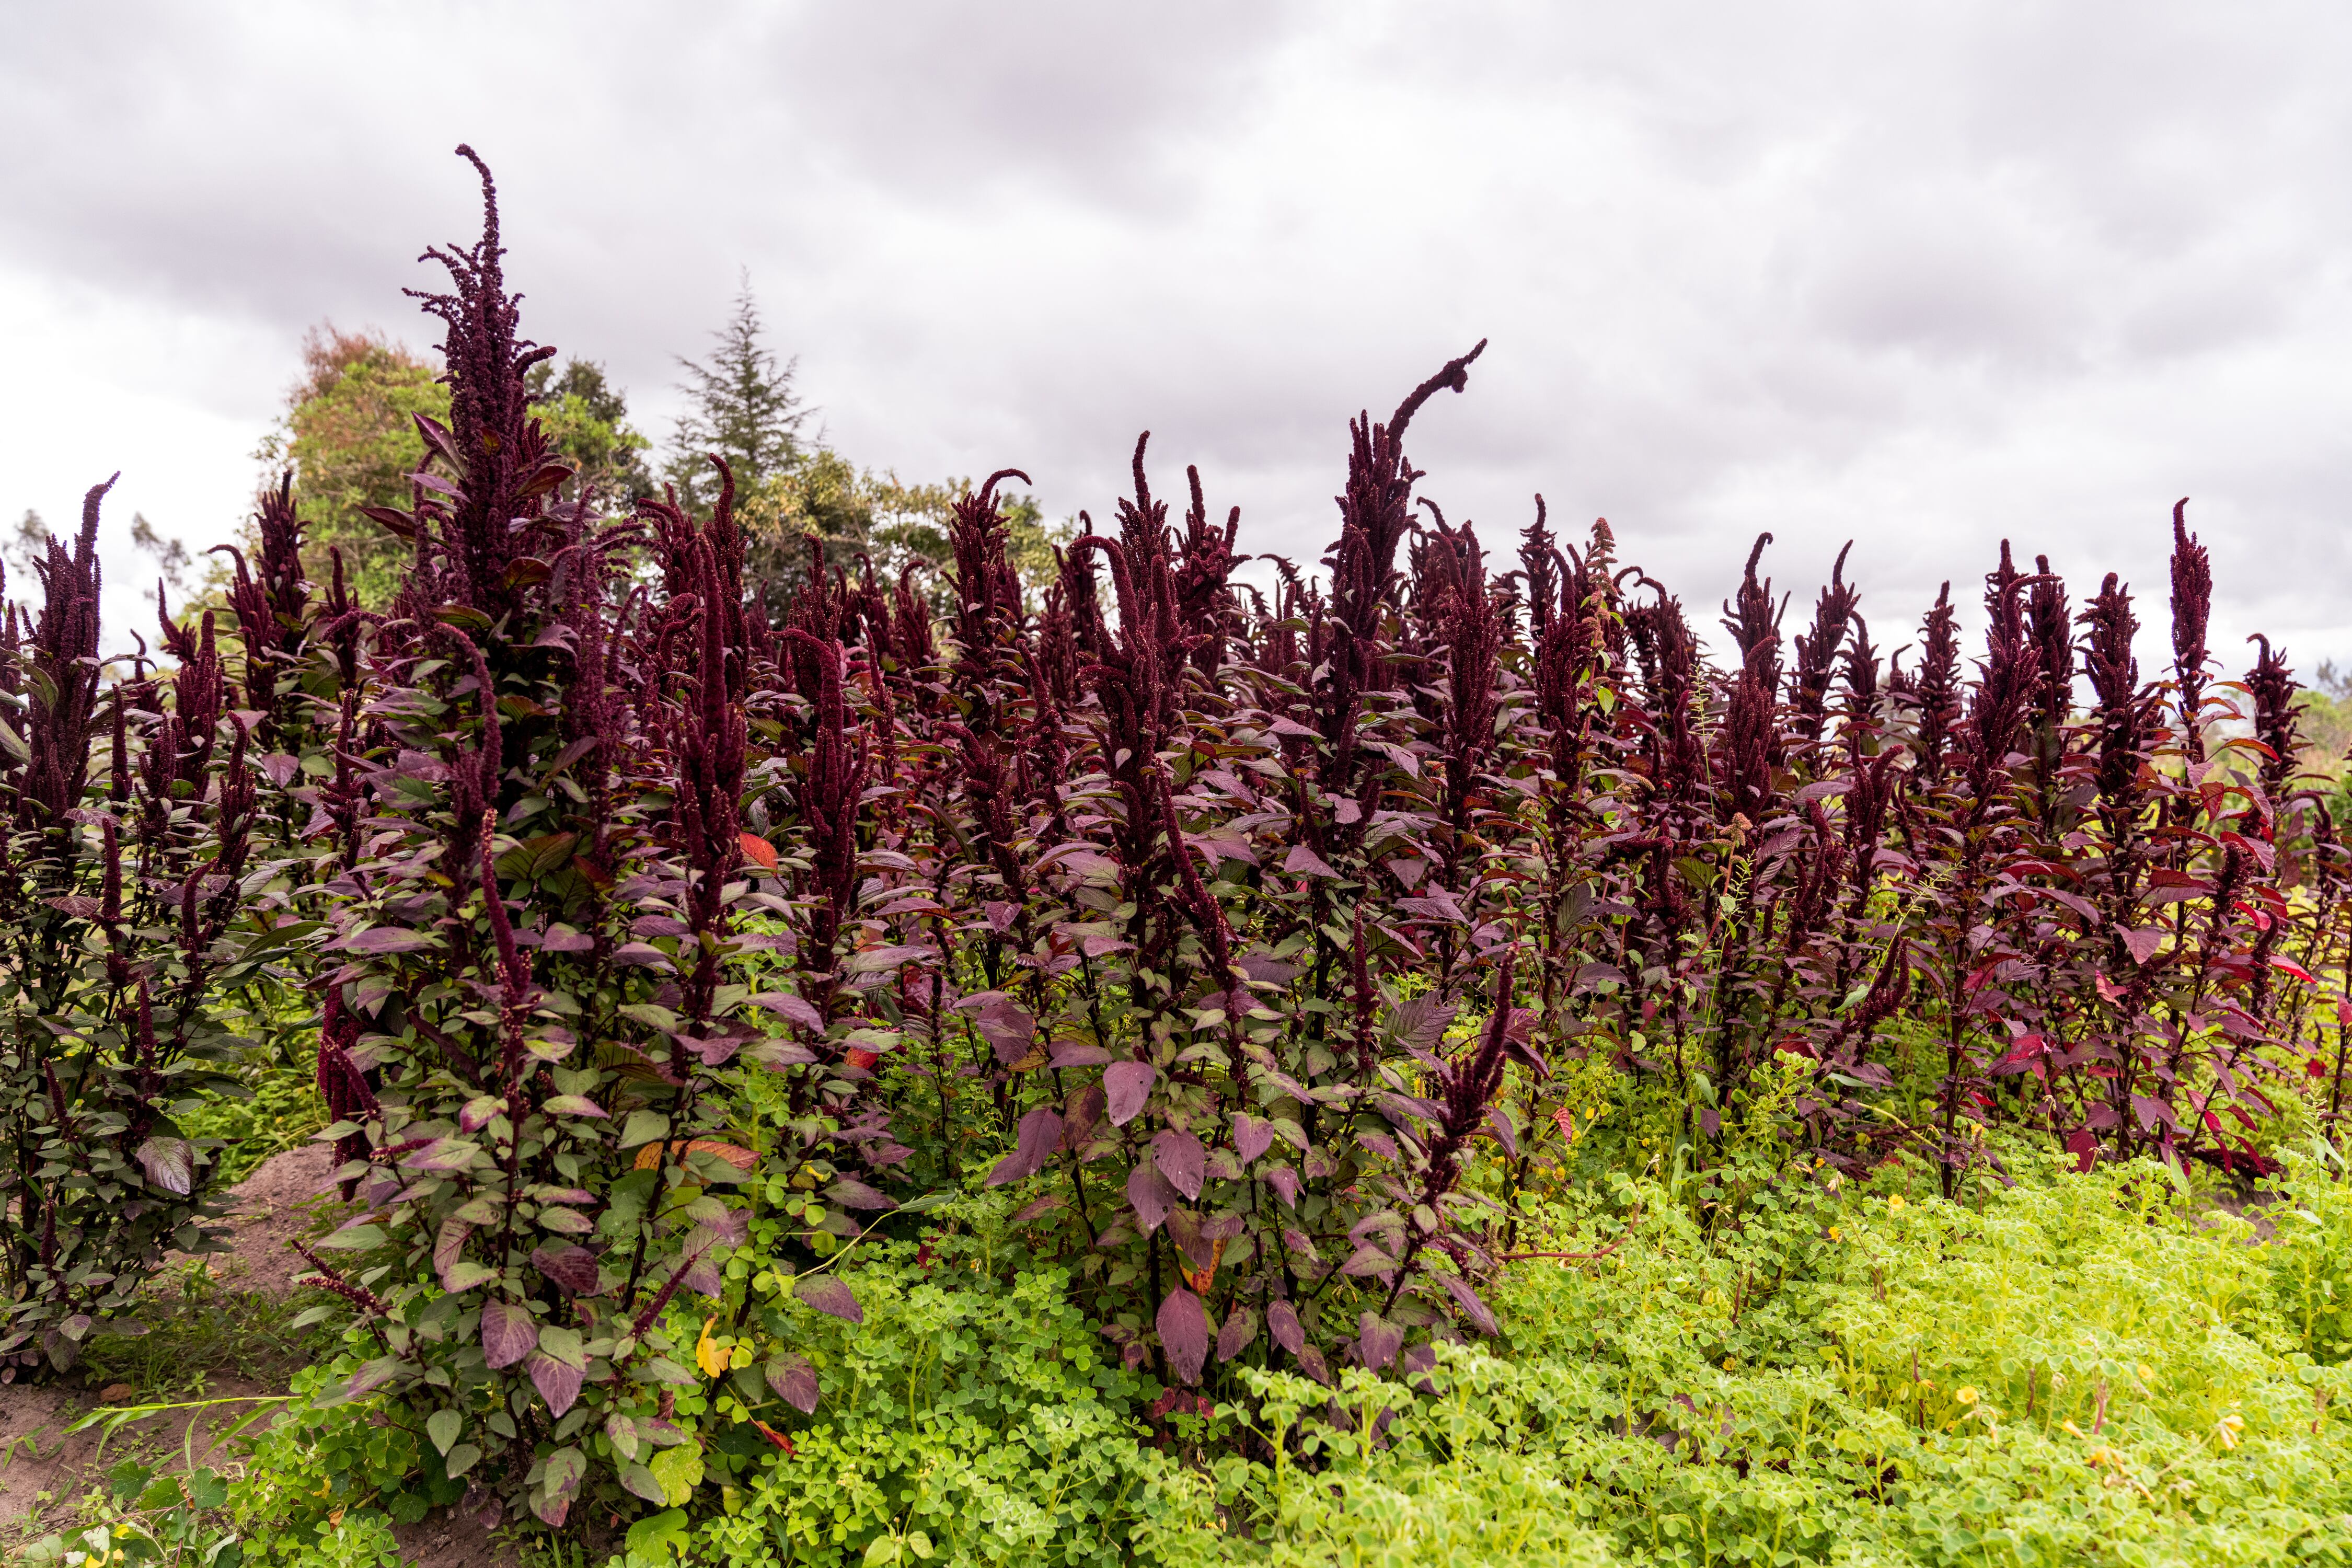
{"x":1921,"y":276}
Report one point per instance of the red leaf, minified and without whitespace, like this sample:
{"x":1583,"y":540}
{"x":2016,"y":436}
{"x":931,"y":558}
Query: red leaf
{"x":509,"y":1333}
{"x":1377,"y":1341}
{"x":757,"y":851}
{"x":1181,"y":1160}
{"x":2083,"y":1144}
{"x":1125,"y":1087}
{"x":1238,"y":1334}
{"x":1304,"y":862}
{"x":2143,"y":942}
{"x":794,"y":1380}
{"x":2289,"y":967}
{"x":1148,"y":1191}
{"x":1041,"y":1134}
{"x":557,"y":1384}
{"x":827,"y":1294}
{"x":1282,"y":1322}
{"x":1183,"y":1325}
{"x":573,"y":1268}
{"x":1251,"y":1137}
{"x":1467,"y":1299}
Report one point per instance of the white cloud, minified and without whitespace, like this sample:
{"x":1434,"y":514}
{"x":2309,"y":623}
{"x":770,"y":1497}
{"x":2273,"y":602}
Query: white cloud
{"x":1923,"y":276}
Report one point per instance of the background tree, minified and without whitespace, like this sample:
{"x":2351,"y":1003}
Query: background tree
{"x":23,"y":545}
{"x":349,"y":435}
{"x":744,"y":406}
{"x":586,"y":418}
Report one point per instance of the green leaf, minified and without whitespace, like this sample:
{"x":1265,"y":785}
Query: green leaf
{"x":881,"y":1549}
{"x":680,"y":1471}
{"x":466,"y":1273}
{"x":354,"y":1238}
{"x":643,"y":1127}
{"x":462,"y":1458}
{"x":206,"y":1489}
{"x":652,"y":1016}
{"x":443,"y":1426}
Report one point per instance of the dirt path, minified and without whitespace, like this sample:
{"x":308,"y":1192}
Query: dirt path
{"x":215,"y":1337}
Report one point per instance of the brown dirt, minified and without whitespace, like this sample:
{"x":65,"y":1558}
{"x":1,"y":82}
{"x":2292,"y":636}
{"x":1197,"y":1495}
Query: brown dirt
{"x":271,"y":1207}
{"x":43,"y":1481}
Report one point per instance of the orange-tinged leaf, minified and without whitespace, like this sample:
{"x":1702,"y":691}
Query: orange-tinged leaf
{"x":757,"y":851}
{"x":741,"y":1159}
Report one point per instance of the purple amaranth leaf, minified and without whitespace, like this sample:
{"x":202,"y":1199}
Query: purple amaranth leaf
{"x":1183,"y":1324}
{"x":1009,"y":1028}
{"x":381,"y":940}
{"x":476,"y":1113}
{"x":1251,"y":1137}
{"x":701,"y":1276}
{"x":794,"y":1380}
{"x":443,"y":1154}
{"x":1282,"y":1322}
{"x":509,"y":1333}
{"x":1476,"y":1311}
{"x":1181,"y":1159}
{"x":1077,"y":1054}
{"x":1038,"y":1207}
{"x":1506,"y":1134}
{"x":371,"y":1376}
{"x":573,"y":1268}
{"x":827,"y":1294}
{"x":1377,"y":1341}
{"x":1040,"y":1135}
{"x":1422,"y":1020}
{"x":169,"y":1164}
{"x":450,"y":1244}
{"x":1284,"y":1182}
{"x":852,"y":1193}
{"x":1238,"y":1334}
{"x":1186,"y":1229}
{"x":563,"y":938}
{"x":1148,"y":1191}
{"x":558,"y":1383}
{"x":1304,"y":862}
{"x":1085,"y":1110}
{"x":559,"y":1483}
{"x":791,"y":1008}
{"x":1126,"y":1086}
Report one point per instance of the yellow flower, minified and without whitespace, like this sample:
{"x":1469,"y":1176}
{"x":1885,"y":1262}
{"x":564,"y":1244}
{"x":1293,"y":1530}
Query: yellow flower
{"x":1834,"y":1234}
{"x":2146,"y":1375}
{"x":1965,"y":1395}
{"x":2228,"y":1429}
{"x":709,"y":1354}
{"x":1894,"y":1203}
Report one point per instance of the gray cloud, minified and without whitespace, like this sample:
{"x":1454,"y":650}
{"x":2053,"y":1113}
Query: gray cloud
{"x":1924,"y":276}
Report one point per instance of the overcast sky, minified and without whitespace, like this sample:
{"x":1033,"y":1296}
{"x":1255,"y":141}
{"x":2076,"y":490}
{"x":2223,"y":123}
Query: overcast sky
{"x":1921,"y":276}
